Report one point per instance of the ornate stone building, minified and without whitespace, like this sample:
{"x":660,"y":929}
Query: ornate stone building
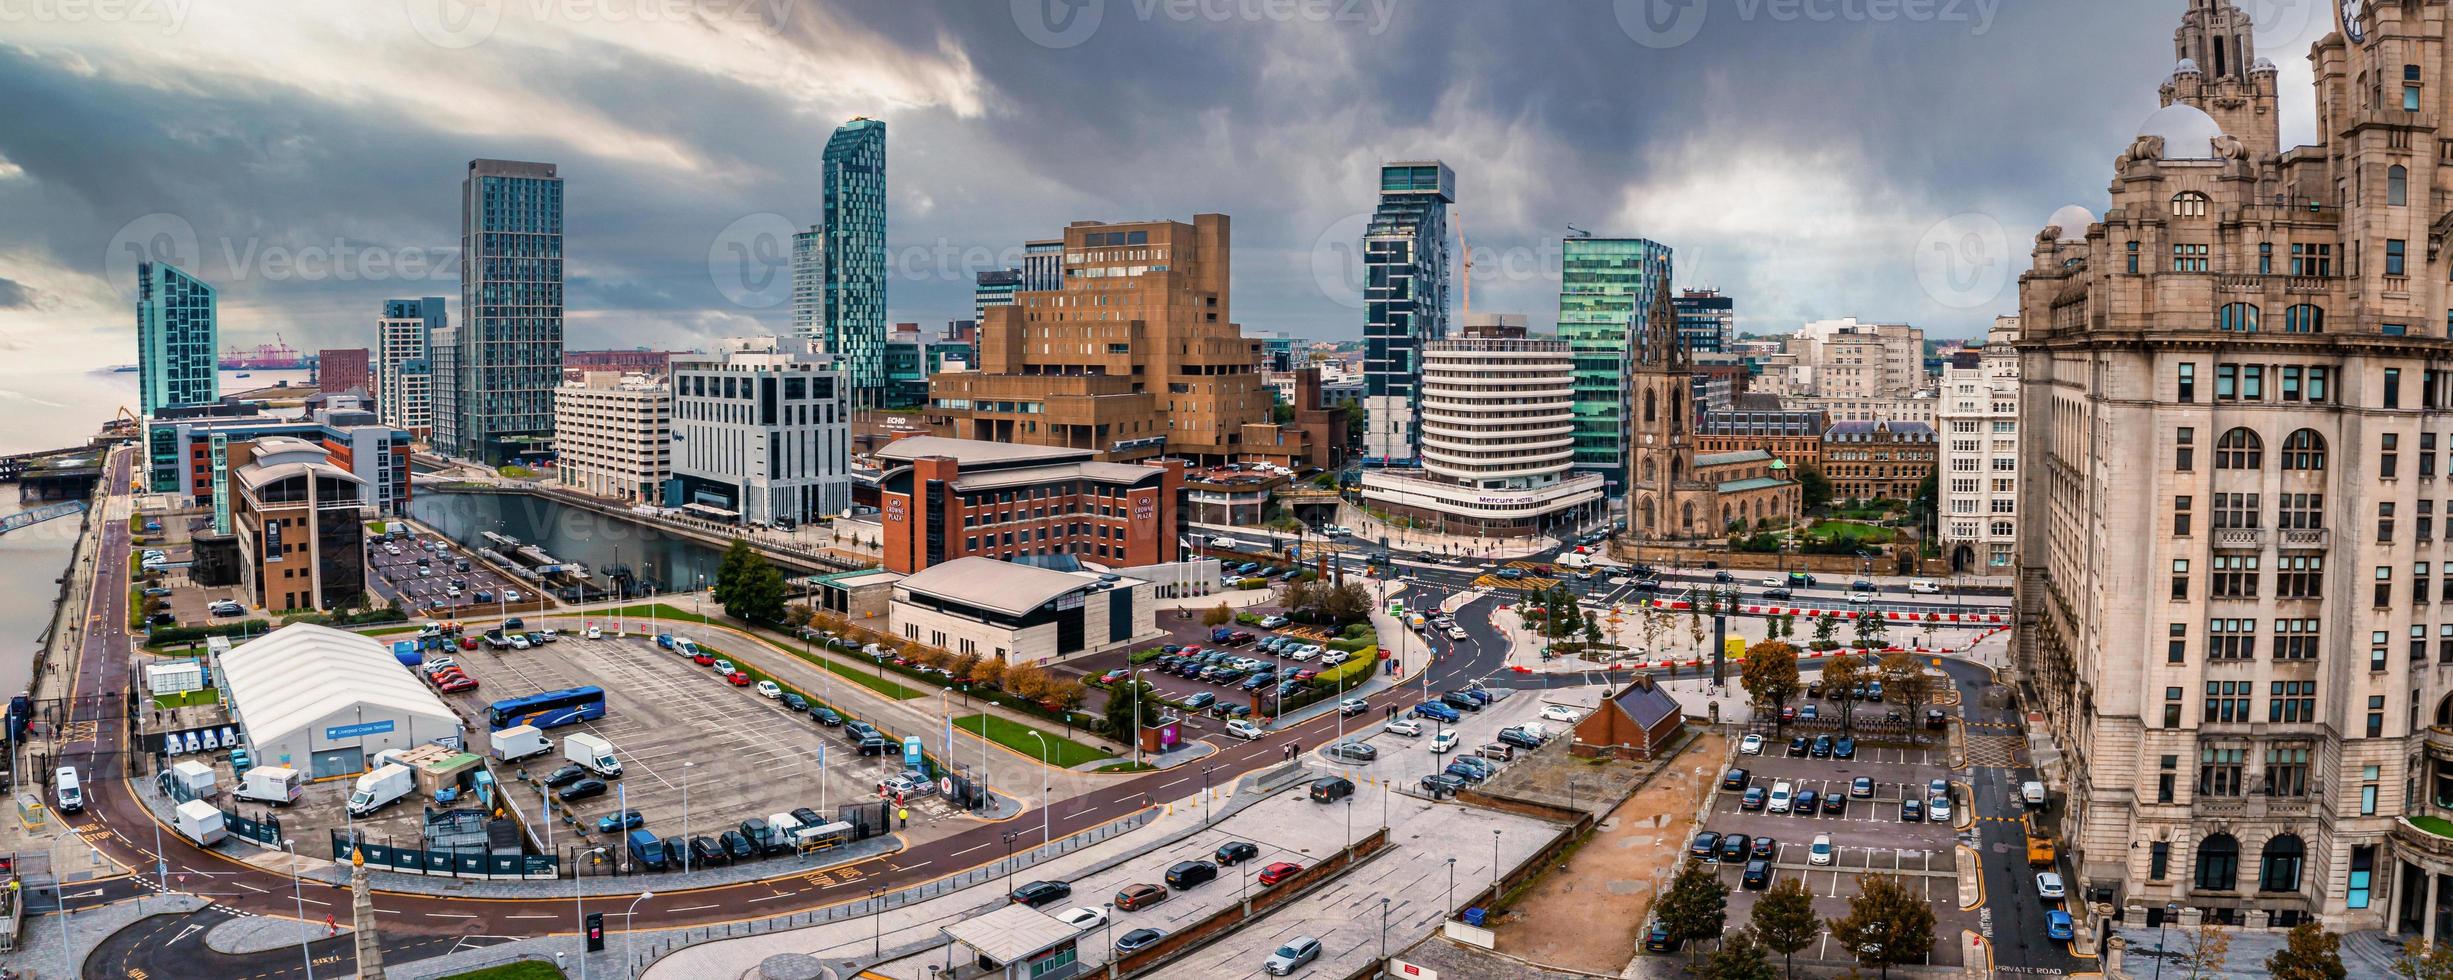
{"x":1673,"y":492}
{"x":2234,"y":609}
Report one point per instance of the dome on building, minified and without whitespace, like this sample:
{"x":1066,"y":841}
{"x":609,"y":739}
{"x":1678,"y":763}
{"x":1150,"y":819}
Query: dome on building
{"x":2187,"y":66}
{"x":2188,"y":134}
{"x":2073,"y":221}
{"x":2262,"y":66}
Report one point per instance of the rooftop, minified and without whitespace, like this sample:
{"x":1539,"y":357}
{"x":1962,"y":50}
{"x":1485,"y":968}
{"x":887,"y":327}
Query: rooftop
{"x":1732,"y":458}
{"x":970,"y":451}
{"x":1001,"y":586}
{"x":1011,"y":934}
{"x":302,"y":672}
{"x":1758,"y":483}
{"x":1646,"y":703}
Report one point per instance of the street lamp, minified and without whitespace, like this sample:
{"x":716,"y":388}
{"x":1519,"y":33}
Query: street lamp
{"x":2171,"y":911}
{"x":1383,"y":928}
{"x":686,"y":766}
{"x":1110,"y":921}
{"x":1044,"y":802}
{"x":877,"y":927}
{"x":1450,"y":908}
{"x":296,"y":899}
{"x":579,"y":905}
{"x":1205,"y":771}
{"x":630,"y":923}
{"x":1009,"y":861}
{"x":1495,"y":865}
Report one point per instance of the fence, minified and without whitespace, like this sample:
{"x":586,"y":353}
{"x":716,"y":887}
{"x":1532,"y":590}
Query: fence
{"x":457,"y":863}
{"x":867,"y":819}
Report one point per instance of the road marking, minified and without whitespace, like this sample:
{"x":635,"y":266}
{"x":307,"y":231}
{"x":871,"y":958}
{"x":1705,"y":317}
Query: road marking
{"x":686,"y":908}
{"x":311,"y":901}
{"x":451,"y":915}
{"x":534,"y":916}
{"x":769,"y":898}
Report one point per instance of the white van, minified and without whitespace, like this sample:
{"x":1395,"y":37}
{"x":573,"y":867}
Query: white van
{"x":1575,"y":561}
{"x":1924,"y":585}
{"x":66,"y":793}
{"x":1780,"y":797}
{"x":2031,"y":791}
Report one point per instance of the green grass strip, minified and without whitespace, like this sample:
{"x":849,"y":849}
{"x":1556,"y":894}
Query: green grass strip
{"x":1060,"y":751}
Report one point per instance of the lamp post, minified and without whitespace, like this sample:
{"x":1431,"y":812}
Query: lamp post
{"x":579,"y":908}
{"x":877,"y":928}
{"x":296,"y":899}
{"x":1110,"y":920}
{"x":1044,"y":802}
{"x":1383,"y":928}
{"x":630,"y":924}
{"x":985,"y":704}
{"x":1450,"y":908}
{"x":1495,"y":865}
{"x":2171,"y":911}
{"x":686,"y":766}
{"x":1205,"y":771}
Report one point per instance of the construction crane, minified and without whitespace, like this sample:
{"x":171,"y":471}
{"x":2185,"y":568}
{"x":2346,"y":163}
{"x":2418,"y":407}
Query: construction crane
{"x":1575,"y":232}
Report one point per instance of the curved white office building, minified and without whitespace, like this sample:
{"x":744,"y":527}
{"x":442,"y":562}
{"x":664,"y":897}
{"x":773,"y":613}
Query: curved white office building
{"x":1498,"y":442}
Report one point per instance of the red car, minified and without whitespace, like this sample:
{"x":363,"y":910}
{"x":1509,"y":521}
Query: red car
{"x":1279,"y":872}
{"x":468,"y":643}
{"x":456,"y":683}
{"x":703,"y":659}
{"x":1303,"y":675}
{"x":1115,"y":675}
{"x":738,"y":679}
{"x":1191,"y":651}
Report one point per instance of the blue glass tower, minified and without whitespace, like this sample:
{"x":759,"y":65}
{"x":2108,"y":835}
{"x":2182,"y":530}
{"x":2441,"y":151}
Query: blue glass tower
{"x":1405,"y":298}
{"x":855,"y":254}
{"x":176,"y":335}
{"x":510,"y":333}
{"x":1606,"y":288}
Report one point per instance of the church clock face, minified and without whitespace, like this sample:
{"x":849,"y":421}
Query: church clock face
{"x":2350,"y":21}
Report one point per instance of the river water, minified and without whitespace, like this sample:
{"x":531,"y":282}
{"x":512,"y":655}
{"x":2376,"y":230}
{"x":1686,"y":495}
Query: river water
{"x":568,"y":533}
{"x":32,"y":560}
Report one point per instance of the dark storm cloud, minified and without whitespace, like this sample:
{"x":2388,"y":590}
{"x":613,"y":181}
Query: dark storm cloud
{"x":14,"y":295}
{"x":1551,"y":114}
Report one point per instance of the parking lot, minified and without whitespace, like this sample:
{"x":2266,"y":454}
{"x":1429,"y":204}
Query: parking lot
{"x":1868,"y":833}
{"x":1405,"y":760}
{"x":397,"y":575}
{"x":672,"y":721}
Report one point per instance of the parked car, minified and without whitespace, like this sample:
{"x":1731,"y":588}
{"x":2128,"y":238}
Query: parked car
{"x":1083,"y":917}
{"x":1518,"y":738}
{"x":566,"y":776}
{"x":705,"y":851}
{"x":1560,"y":713}
{"x":1353,"y":751}
{"x":582,"y":789}
{"x":1758,"y":876}
{"x":1292,"y":956}
{"x":1137,"y":939}
{"x":737,"y":679}
{"x":1844,"y":748}
{"x":1438,"y":711}
{"x":825,"y":716}
{"x":1330,"y":789}
{"x":1754,"y":799}
{"x":1734,"y":848}
{"x":770,"y":689}
{"x":1705,"y":847}
{"x":624,"y":820}
{"x":1911,"y":811}
{"x":2056,"y":924}
{"x":1236,"y":851}
{"x":1191,"y":874}
{"x":1658,"y":939}
{"x":1861,"y":787}
{"x":1751,"y":745}
{"x":1403,"y":726}
{"x":1038,"y":893}
{"x":2048,"y":885}
{"x":1135,"y":897}
{"x":1821,"y":851}
{"x":1834,"y":803}
{"x":736,"y":845}
{"x":1441,"y":784}
{"x":1734,"y":779}
{"x":795,"y":702}
{"x":1470,"y":774}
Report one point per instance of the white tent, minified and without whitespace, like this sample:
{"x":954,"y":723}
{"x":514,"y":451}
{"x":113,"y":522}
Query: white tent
{"x":322,"y":700}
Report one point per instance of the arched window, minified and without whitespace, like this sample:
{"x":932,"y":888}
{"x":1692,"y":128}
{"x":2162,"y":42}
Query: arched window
{"x":1686,"y":516}
{"x":2278,"y":868}
{"x":2304,"y":318}
{"x":2304,"y":450}
{"x":2240,"y":449}
{"x":1648,"y":468}
{"x":2003,"y":529}
{"x":1650,"y":525}
{"x":2218,"y":863}
{"x":2190,"y":204}
{"x":2237,"y":318}
{"x":2397,"y":186}
{"x":1649,"y":407}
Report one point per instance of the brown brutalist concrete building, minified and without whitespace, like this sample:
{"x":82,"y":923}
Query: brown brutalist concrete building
{"x":1134,"y":357}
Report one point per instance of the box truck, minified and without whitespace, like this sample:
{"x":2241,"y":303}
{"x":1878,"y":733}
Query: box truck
{"x":198,"y":821}
{"x":380,"y":788}
{"x":592,"y":752}
{"x":519,"y":742}
{"x":277,"y":785}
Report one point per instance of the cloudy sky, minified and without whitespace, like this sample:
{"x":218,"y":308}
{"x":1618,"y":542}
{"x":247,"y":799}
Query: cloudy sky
{"x":1816,"y":158}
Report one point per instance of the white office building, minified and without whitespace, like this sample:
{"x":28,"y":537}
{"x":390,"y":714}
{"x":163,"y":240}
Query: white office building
{"x":1498,"y":441}
{"x":761,"y":432}
{"x":613,"y":434}
{"x":1979,"y":456}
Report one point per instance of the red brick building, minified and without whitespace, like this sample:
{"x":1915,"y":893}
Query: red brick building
{"x":343,"y":369}
{"x":942,"y":499}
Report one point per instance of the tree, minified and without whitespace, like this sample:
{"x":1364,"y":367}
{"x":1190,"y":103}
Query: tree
{"x":1650,"y":623}
{"x":962,"y":664}
{"x":1694,"y":625}
{"x":1931,"y":624}
{"x":1813,"y":487}
{"x":1870,"y":629}
{"x":732,"y":571}
{"x":2308,"y":953}
{"x":1218,"y":615}
{"x":988,"y":673}
{"x":1740,"y":957}
{"x":1886,"y":924}
{"x":1904,"y":680}
{"x":1120,"y":700}
{"x":748,"y":586}
{"x":1696,"y":907}
{"x":1592,"y":629}
{"x":1784,"y":920}
{"x":1826,"y":626}
{"x":799,"y":615}
{"x":1839,"y":674}
{"x":2209,"y":946}
{"x":2421,"y":961}
{"x":1770,"y":675}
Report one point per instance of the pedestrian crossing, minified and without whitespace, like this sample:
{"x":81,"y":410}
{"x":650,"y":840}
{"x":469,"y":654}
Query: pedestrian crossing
{"x":1997,"y":751}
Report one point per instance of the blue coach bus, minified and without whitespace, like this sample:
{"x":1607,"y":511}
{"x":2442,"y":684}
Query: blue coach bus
{"x":549,"y":709}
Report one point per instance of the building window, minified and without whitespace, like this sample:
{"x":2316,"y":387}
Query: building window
{"x":2265,"y":259}
{"x":2393,"y":387}
{"x":2292,"y":701}
{"x":2189,"y":258}
{"x":2394,"y":248}
{"x":2384,"y":522}
{"x":2239,"y":449}
{"x":2159,"y":853}
{"x":2301,"y":511}
{"x":2235,"y":577}
{"x":2237,"y":318}
{"x":2188,"y":381}
{"x":2363,"y":860}
{"x":2235,"y":510}
{"x":2133,"y":258}
{"x":2171,"y":714}
{"x":2397,"y":186}
{"x":2180,"y":579}
{"x":2278,"y":866}
{"x":2303,"y":318}
{"x":2388,"y":455}
{"x":2184,"y":458}
{"x":2231,"y":639}
{"x":2190,"y":204}
{"x":2376,"y":716}
{"x":2219,"y":769}
{"x":2295,"y":639}
{"x":2227,"y":701}
{"x":2180,"y":517}
{"x":2384,"y":586}
{"x":2176,"y":649}
{"x":2218,"y":859}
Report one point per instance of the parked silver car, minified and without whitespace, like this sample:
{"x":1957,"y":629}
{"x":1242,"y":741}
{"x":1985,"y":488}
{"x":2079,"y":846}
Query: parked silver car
{"x":1292,"y":956}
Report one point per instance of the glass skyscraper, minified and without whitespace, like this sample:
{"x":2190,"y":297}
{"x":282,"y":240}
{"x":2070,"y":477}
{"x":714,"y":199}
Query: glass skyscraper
{"x":809,"y":283}
{"x":176,"y":337}
{"x":1405,"y":297}
{"x":855,"y":254}
{"x":510,"y":332}
{"x":1704,"y":320}
{"x":1606,"y":287}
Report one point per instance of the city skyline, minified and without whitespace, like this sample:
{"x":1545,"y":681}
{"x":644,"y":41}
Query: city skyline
{"x":963,"y":87}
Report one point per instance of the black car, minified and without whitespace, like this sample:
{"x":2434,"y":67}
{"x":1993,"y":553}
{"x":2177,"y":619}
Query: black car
{"x":1861,"y":585}
{"x":705,"y":851}
{"x":1188,"y":874}
{"x":1236,"y":851}
{"x":795,"y":702}
{"x":1517,"y":738}
{"x":1764,"y":849}
{"x":1707,"y":845}
{"x":1758,"y":875}
{"x":1138,"y":939}
{"x":1778,"y":593}
{"x":1735,"y":780}
{"x":1470,"y":774}
{"x":809,"y":817}
{"x":1805,"y":802}
{"x":1657,"y":939}
{"x":1835,"y":803}
{"x":1822,"y":747}
{"x":1356,"y":751}
{"x":1442,"y":784}
{"x":1330,"y":789}
{"x":582,"y":789}
{"x":1460,"y":701}
{"x":566,"y":775}
{"x":1797,"y":747}
{"x":1038,"y":893}
{"x":1723,"y":576}
{"x":1911,"y":811}
{"x":874,"y":745}
{"x":1734,"y":848}
{"x":737,"y":846}
{"x":1645,"y":571}
{"x":1933,"y":718}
